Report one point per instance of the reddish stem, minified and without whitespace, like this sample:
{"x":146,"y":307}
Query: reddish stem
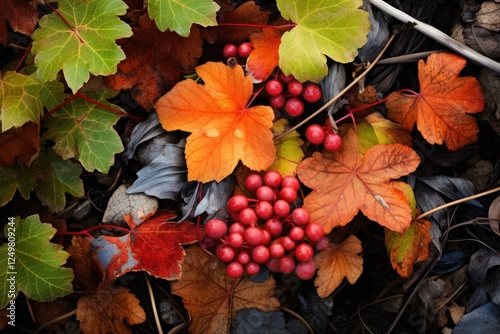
{"x":88,"y":230}
{"x":255,"y":25}
{"x":405,"y":90}
{"x":79,"y":94}
{"x":24,"y":56}
{"x":254,"y":96}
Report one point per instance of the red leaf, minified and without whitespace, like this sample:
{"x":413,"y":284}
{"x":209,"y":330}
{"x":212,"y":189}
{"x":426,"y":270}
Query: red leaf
{"x":21,"y":15}
{"x":154,"y":246}
{"x":155,"y":61}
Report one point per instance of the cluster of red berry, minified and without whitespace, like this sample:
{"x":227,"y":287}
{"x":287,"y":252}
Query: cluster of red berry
{"x":243,"y":50}
{"x":325,"y":135}
{"x":292,"y":99}
{"x":266,"y":231}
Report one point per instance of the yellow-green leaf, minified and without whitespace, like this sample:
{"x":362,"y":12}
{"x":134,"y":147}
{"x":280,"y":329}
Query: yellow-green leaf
{"x":30,"y":263}
{"x":288,"y":151}
{"x":86,"y":45}
{"x":335,"y":28}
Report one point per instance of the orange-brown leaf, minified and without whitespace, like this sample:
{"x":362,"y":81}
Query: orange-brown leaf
{"x":223,"y":130}
{"x":264,"y":57}
{"x":212,"y":298}
{"x":344,"y":182}
{"x":440,"y":109}
{"x":155,"y":61}
{"x":106,"y":310}
{"x":337,"y":262}
{"x":87,"y":274}
{"x":408,"y":248}
{"x":19,"y":145}
{"x":21,"y":15}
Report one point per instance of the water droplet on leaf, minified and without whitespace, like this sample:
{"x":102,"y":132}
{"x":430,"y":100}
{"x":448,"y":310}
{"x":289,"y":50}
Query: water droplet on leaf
{"x":212,"y":133}
{"x":238,"y":133}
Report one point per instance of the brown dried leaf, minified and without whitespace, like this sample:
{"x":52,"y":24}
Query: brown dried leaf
{"x":21,"y":15}
{"x":19,"y":145}
{"x":106,"y":310}
{"x":87,"y":273}
{"x":212,"y":298}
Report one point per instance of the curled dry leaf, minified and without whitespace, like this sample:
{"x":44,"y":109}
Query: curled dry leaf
{"x":337,"y":262}
{"x":19,"y":145}
{"x":107,"y":309}
{"x":494,"y":215}
{"x":212,"y":298}
{"x":344,"y":182}
{"x":139,"y":206}
{"x":441,"y":108}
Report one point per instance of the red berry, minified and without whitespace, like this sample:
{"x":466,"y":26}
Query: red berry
{"x":234,"y":270}
{"x":276,"y":250}
{"x":290,"y":181}
{"x":260,"y":254}
{"x":288,"y":243}
{"x":304,"y":253}
{"x":273,"y":179}
{"x":264,"y":210}
{"x":281,"y":208}
{"x":274,"y":227}
{"x":252,"y":268}
{"x":277,"y":101}
{"x":322,"y":244}
{"x":305,"y":270}
{"x":237,"y":203}
{"x":315,"y":134}
{"x":296,"y":233}
{"x":314,"y":232}
{"x":215,"y":228}
{"x":274,"y":87}
{"x":286,"y":264}
{"x":225,"y":253}
{"x":267,"y":237}
{"x":273,"y":265}
{"x":295,"y":88}
{"x":253,"y":236}
{"x":300,"y":216}
{"x":332,"y":142}
{"x":265,"y":193}
{"x":237,"y":227}
{"x":294,"y":107}
{"x":230,"y":50}
{"x":312,"y":93}
{"x":253,"y":182}
{"x":286,"y":78}
{"x":248,"y":217}
{"x":235,"y":240}
{"x":245,"y":49}
{"x":288,"y":194}
{"x":243,"y":258}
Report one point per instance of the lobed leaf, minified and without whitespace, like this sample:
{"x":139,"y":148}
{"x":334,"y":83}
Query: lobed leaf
{"x":37,"y":263}
{"x":333,"y":28}
{"x":86,"y":45}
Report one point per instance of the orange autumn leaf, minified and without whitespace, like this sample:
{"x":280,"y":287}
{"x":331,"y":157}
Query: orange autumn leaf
{"x":337,"y":262}
{"x":264,"y":56}
{"x":108,"y":309}
{"x":408,"y":248}
{"x":223,"y":130}
{"x":212,"y":298}
{"x":440,"y":109}
{"x":344,"y":182}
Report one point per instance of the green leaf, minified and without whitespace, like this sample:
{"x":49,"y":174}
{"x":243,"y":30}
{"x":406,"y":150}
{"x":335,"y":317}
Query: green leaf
{"x":52,"y":94}
{"x":85,"y":131}
{"x":19,"y":100}
{"x":288,"y":151}
{"x":87,"y":46}
{"x":49,"y":175}
{"x":332,"y":27}
{"x":178,"y":16}
{"x":57,"y":177}
{"x":36,"y":269}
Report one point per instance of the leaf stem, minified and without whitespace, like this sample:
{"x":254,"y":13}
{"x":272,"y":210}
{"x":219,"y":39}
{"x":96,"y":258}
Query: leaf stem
{"x":339,"y":95}
{"x":87,"y":231}
{"x":255,"y":25}
{"x":24,"y":56}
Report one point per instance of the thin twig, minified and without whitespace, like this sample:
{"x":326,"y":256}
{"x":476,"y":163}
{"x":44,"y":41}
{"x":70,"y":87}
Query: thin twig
{"x":295,"y":314}
{"x":438,"y":36}
{"x":62,"y":317}
{"x":153,"y":305}
{"x":339,"y":95}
